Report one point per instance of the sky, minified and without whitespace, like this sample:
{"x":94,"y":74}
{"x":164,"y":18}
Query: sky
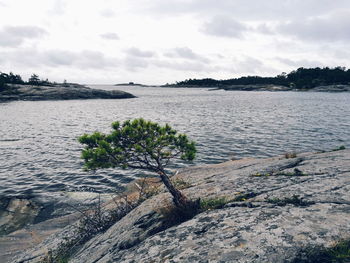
{"x":164,"y":41}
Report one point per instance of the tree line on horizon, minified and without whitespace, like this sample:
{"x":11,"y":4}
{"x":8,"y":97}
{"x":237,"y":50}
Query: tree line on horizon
{"x":11,"y":78}
{"x":302,"y":78}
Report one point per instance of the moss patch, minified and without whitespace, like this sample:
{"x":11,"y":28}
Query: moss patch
{"x":339,"y":253}
{"x":213,"y":203}
{"x":294,"y":200}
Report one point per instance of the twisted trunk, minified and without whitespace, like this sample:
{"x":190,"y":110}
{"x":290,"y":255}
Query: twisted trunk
{"x":179,"y":199}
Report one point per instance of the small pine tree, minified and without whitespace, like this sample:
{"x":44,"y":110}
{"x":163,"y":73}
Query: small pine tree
{"x":34,"y":79}
{"x":139,"y":144}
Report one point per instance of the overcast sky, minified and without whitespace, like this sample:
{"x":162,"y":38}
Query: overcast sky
{"x":159,"y":41}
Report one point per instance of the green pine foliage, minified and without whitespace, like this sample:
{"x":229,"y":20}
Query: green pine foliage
{"x":138,"y":144}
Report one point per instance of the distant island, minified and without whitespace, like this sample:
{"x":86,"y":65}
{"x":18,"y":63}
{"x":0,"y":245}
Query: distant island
{"x":303,"y":79}
{"x":13,"y":88}
{"x":131,"y":84}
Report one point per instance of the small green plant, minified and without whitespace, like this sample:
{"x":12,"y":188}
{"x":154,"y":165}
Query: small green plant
{"x":294,"y":200}
{"x":93,"y":221}
{"x":181,"y":184}
{"x":56,"y":258}
{"x":213,"y":203}
{"x":244,"y":197}
{"x":262,"y":174}
{"x":146,"y":188}
{"x":296,"y":172}
{"x":338,"y":253}
{"x":340,"y":148}
{"x":173,"y":215}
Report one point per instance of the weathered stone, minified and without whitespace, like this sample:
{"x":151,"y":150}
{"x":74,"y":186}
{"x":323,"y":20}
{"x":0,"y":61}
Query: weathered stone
{"x":272,"y":87}
{"x":332,"y":88}
{"x":70,"y":92}
{"x":272,"y":214}
{"x":16,"y":213}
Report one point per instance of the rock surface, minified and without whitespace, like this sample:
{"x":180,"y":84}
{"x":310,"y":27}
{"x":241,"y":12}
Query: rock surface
{"x":275,"y":209}
{"x":326,"y":88}
{"x":256,"y":87}
{"x":70,"y":92}
{"x":26,"y":222}
{"x":16,"y":213}
{"x":332,"y":88}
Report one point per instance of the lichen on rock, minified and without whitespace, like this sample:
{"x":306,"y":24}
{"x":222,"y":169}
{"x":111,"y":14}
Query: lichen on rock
{"x":249,"y":227}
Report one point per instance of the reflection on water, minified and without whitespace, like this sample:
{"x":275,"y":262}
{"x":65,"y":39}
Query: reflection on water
{"x":39,"y":151}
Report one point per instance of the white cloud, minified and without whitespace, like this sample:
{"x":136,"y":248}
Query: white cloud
{"x":134,"y":63}
{"x":297,"y":63}
{"x":13,"y":36}
{"x":334,"y":27}
{"x":58,"y":8}
{"x":110,"y":36}
{"x":107,"y":13}
{"x":34,"y":58}
{"x":135,"y":52}
{"x":250,"y":66}
{"x":157,"y":41}
{"x":182,"y":66}
{"x":224,"y":26}
{"x":243,"y":9}
{"x":185,"y":53}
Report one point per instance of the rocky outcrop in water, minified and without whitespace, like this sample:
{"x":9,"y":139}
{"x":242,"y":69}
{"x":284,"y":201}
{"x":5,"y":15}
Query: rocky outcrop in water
{"x":332,"y":88}
{"x":326,"y":88}
{"x":257,"y":87}
{"x":69,"y":92}
{"x":274,"y":210}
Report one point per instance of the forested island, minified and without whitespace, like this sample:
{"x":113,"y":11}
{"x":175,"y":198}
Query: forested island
{"x":131,"y":84}
{"x":11,"y":78}
{"x":319,"y":79}
{"x":303,"y":79}
{"x":13,"y":87}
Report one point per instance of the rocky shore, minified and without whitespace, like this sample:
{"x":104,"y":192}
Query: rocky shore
{"x":257,"y":88}
{"x":269,"y":87}
{"x":326,"y":88}
{"x":67,"y":92}
{"x":271,"y":210}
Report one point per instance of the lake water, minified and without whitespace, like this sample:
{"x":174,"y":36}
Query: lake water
{"x":39,"y":151}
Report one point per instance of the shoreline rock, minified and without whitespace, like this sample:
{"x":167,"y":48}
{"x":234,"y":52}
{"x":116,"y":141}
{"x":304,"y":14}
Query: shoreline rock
{"x":257,"y":88}
{"x":326,"y":88}
{"x":270,"y":87}
{"x":275,"y":210}
{"x":69,"y":92}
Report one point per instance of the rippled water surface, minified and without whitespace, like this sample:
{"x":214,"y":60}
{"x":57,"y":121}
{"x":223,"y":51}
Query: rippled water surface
{"x":39,"y":151}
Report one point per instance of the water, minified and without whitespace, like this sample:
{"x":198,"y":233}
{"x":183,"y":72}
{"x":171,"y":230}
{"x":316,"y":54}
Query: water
{"x":39,"y":152}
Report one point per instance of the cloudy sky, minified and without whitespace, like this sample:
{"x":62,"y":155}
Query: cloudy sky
{"x":159,"y":41}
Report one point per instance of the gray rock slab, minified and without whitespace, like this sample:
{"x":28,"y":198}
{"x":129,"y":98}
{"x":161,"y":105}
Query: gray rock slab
{"x":275,"y":209}
{"x":71,"y":92}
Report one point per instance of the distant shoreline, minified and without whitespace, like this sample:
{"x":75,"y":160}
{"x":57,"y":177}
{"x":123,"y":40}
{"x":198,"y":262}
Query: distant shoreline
{"x":131,"y":84}
{"x":18,"y":92}
{"x":268,"y":87}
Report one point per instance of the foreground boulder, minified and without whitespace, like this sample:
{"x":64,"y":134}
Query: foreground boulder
{"x":271,"y":210}
{"x":69,"y":92}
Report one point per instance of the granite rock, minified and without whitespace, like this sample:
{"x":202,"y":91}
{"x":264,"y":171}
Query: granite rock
{"x":275,"y":209}
{"x":70,"y":92}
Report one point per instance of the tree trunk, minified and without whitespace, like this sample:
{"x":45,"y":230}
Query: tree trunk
{"x":179,"y":199}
